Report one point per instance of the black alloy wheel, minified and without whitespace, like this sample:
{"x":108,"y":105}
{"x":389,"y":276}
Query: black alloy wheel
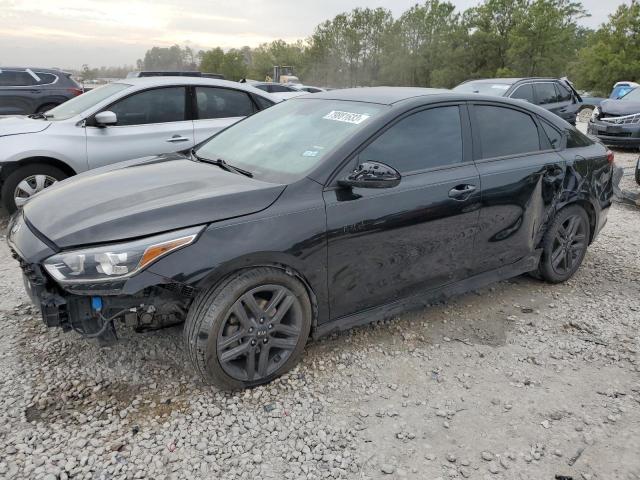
{"x":569,"y":244}
{"x":250,"y":328}
{"x":259,"y":333}
{"x":565,"y":244}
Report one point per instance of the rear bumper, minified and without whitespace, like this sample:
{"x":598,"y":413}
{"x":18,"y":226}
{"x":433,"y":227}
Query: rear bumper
{"x":615,"y":135}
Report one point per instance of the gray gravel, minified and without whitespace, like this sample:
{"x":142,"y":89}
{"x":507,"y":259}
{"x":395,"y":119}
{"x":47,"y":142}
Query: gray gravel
{"x":521,"y":380}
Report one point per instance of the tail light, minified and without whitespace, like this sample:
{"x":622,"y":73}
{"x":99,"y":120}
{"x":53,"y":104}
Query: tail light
{"x":74,"y":91}
{"x":610,"y":157}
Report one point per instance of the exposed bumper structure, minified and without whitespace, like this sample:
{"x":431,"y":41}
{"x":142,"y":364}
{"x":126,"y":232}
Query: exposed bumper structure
{"x":616,"y":134}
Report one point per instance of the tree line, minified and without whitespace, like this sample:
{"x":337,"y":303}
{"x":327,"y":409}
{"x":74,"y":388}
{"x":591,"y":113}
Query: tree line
{"x":433,"y":44}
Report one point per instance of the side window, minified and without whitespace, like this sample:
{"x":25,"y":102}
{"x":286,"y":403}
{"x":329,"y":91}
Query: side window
{"x":524,"y":92}
{"x":160,"y":105}
{"x":576,"y":139}
{"x":222,"y":103}
{"x":262,"y":102}
{"x":564,"y":95}
{"x":554,"y":136}
{"x":545,"y":93}
{"x":46,"y":78}
{"x":504,"y":131}
{"x":13,"y":78}
{"x":426,"y":139}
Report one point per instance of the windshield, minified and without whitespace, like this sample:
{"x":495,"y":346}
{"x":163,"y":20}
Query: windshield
{"x":632,"y":96}
{"x":483,"y":88}
{"x":85,"y":101}
{"x":284,"y":142}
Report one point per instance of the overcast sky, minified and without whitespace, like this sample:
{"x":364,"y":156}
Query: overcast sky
{"x":67,"y":34}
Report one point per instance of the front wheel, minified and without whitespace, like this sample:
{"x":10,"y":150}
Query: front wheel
{"x":249,"y":329}
{"x":584,"y":115}
{"x":24,"y":182}
{"x":565,"y":244}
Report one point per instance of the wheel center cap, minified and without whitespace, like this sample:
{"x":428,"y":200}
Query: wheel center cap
{"x":261,"y":332}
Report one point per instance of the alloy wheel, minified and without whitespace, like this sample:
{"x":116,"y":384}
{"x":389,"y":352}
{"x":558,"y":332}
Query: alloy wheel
{"x":30,"y":186}
{"x":259,"y":333}
{"x":569,"y":244}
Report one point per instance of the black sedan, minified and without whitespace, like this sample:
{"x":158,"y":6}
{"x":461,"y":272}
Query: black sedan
{"x":315,"y":215}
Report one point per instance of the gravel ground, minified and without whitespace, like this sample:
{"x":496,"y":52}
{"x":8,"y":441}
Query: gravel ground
{"x":522,"y":380}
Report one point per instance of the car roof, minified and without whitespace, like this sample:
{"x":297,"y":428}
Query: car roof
{"x":34,"y":69}
{"x":510,"y":81}
{"x":381,"y":95}
{"x":145,"y":82}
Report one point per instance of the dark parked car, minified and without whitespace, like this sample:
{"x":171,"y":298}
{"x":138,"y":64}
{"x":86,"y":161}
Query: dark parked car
{"x":617,"y":122}
{"x":24,"y":91}
{"x":320,"y":213}
{"x":557,"y":96}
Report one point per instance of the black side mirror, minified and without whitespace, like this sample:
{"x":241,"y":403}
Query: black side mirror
{"x":372,"y":175}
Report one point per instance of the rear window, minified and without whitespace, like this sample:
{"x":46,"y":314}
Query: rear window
{"x":46,"y":78}
{"x":496,"y":89}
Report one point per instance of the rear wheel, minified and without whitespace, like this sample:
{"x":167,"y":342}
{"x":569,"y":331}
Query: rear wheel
{"x":250,"y":329}
{"x":24,"y":182}
{"x":565,"y":244}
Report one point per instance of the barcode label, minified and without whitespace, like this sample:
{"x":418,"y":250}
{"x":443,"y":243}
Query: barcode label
{"x":347,"y":117}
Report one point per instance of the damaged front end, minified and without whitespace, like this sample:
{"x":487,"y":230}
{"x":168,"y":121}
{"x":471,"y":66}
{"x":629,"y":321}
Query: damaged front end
{"x":614,"y":126}
{"x":92,"y":290}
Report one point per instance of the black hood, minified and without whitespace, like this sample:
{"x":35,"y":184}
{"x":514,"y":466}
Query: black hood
{"x":619,"y":108}
{"x":144,"y":198}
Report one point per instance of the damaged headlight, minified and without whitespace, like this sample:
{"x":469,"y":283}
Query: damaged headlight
{"x":595,"y":115}
{"x":116,"y":261}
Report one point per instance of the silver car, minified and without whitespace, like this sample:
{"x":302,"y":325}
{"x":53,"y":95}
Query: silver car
{"x":127,"y":119}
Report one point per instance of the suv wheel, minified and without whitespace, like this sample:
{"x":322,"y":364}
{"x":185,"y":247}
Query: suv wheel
{"x":24,"y":182}
{"x":249,"y":329}
{"x":565,"y":244}
{"x":584,"y":115}
{"x":48,"y":106}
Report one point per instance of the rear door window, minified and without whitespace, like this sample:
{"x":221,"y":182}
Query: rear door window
{"x":215,"y":102}
{"x":160,"y":105}
{"x":46,"y":78}
{"x":524,"y":92}
{"x":545,"y":93}
{"x":564,"y":95}
{"x":427,"y":139}
{"x":504,"y":131}
{"x":554,"y":136}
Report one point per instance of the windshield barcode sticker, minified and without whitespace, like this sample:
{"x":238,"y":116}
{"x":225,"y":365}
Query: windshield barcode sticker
{"x":347,"y":117}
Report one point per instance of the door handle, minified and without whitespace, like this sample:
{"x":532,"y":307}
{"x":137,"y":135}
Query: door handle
{"x":462,"y":192}
{"x":177,"y":139}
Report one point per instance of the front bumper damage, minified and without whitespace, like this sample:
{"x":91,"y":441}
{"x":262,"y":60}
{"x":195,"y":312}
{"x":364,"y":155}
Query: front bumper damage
{"x":615,"y":134}
{"x":144,"y":302}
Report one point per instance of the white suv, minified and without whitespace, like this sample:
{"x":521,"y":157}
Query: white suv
{"x":120,"y":121}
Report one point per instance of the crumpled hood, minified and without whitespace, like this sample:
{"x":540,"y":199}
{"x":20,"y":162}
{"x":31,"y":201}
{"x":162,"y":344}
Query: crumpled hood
{"x":617,"y":108}
{"x":143,"y":198}
{"x":19,"y":125}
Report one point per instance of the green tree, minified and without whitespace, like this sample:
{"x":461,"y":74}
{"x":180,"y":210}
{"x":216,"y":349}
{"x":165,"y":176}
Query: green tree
{"x":212,"y":60}
{"x":612,"y":53}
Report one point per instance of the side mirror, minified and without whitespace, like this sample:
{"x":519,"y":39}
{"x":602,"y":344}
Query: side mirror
{"x":106,"y":118}
{"x":372,"y":175}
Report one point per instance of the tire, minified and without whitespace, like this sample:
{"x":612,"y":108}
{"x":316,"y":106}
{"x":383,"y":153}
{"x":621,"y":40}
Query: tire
{"x":45,"y":107}
{"x":215,"y":331}
{"x":564,"y":244}
{"x":584,"y":115}
{"x":637,"y":172}
{"x":32,"y":174}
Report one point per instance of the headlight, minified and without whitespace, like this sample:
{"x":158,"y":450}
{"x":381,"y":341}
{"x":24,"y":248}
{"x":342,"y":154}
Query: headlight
{"x":117,"y":261}
{"x":595,"y":114}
